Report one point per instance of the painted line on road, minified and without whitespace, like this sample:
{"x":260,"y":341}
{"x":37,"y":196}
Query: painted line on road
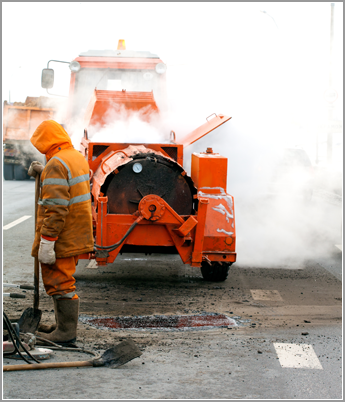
{"x":20,"y":220}
{"x":92,"y":264}
{"x":339,"y":246}
{"x":297,"y":356}
{"x":260,"y":294}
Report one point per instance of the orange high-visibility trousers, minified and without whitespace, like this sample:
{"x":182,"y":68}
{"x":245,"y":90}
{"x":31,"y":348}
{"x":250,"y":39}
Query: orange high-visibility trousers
{"x":58,"y":279}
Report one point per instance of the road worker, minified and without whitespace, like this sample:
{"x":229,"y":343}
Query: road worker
{"x":64,"y":225}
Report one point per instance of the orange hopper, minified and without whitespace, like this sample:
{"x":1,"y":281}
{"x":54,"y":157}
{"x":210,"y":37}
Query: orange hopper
{"x":105,"y":105}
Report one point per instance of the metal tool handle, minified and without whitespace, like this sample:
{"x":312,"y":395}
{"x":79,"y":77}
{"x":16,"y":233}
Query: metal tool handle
{"x":37,"y":266}
{"x":14,"y":295}
{"x":27,"y":287}
{"x":13,"y":285}
{"x":34,"y":366}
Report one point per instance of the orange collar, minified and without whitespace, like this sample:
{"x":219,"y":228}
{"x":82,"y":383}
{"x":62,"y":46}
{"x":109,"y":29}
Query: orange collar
{"x":56,"y":149}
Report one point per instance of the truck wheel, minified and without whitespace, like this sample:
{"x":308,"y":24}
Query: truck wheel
{"x":214,"y":272}
{"x":20,"y":173}
{"x":8,"y":171}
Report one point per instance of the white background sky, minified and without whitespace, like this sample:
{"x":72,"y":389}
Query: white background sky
{"x":226,"y":58}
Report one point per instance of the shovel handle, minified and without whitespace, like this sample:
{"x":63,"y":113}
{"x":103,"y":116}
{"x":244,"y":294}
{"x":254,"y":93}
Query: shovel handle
{"x":12,"y":285}
{"x":41,"y":366}
{"x":37,"y":266}
{"x":14,"y":295}
{"x":27,"y":287}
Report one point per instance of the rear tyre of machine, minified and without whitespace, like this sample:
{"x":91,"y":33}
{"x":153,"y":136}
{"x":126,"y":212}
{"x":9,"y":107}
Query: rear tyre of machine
{"x":214,"y":272}
{"x":20,"y":173}
{"x":8,"y":171}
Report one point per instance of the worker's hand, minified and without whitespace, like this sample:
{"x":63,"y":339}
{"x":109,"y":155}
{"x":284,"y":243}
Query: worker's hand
{"x":46,"y":252}
{"x":35,"y":167}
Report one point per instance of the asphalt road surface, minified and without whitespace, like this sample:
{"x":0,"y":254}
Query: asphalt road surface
{"x":285,"y":340}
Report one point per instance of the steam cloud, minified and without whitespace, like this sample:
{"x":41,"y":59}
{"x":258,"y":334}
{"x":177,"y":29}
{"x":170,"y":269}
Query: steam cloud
{"x":122,"y":126}
{"x":273,"y":229}
{"x":279,"y":228}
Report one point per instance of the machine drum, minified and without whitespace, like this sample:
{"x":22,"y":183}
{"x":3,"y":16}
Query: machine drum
{"x":149,"y":174}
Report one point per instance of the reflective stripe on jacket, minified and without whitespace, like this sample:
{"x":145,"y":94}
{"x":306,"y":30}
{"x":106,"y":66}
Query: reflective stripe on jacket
{"x":64,"y":210}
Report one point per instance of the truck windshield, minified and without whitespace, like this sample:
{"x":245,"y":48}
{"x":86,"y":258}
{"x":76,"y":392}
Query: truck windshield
{"x":88,"y":79}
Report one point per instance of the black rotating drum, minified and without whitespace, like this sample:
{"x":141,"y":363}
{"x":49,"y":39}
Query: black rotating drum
{"x":149,"y":174}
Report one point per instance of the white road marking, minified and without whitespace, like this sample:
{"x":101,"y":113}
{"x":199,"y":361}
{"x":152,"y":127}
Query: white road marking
{"x":340,"y":247}
{"x":297,"y":356}
{"x":92,"y":264}
{"x":260,"y":294}
{"x":22,"y":219}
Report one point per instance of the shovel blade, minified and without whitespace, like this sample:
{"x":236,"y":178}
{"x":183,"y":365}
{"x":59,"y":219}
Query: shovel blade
{"x":118,"y":355}
{"x":29,"y":321}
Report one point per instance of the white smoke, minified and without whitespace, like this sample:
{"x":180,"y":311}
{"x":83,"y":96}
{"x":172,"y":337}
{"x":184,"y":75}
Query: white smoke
{"x":122,"y":126}
{"x":273,"y":229}
{"x":271,"y":83}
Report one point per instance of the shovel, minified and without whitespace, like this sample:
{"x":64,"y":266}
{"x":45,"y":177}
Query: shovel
{"x":113,"y":358}
{"x":31,"y":317}
{"x":29,"y":321}
{"x":37,"y":266}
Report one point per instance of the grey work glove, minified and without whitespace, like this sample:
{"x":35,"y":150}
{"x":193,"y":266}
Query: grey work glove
{"x":46,"y":252}
{"x":35,"y":167}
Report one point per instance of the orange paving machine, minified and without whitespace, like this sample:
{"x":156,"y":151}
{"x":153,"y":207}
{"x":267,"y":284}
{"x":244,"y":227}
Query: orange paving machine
{"x":143,"y":201}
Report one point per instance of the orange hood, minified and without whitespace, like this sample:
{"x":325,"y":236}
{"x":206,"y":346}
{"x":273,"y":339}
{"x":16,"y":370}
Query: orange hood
{"x":50,"y":138}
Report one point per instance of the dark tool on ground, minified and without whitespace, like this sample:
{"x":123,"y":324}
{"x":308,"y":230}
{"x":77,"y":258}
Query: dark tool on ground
{"x":13,"y":332}
{"x":27,"y":323}
{"x":14,"y":295}
{"x":13,"y":285}
{"x":114,"y":357}
{"x":31,"y":317}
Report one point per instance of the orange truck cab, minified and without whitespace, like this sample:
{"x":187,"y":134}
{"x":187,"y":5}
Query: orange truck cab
{"x":143,"y":200}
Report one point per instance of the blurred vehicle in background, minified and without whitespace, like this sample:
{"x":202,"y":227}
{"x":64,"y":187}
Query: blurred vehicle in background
{"x":20,"y":120}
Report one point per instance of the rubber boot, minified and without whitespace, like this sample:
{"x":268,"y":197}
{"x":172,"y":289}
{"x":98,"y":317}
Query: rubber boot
{"x":66,"y":313}
{"x":47,"y":329}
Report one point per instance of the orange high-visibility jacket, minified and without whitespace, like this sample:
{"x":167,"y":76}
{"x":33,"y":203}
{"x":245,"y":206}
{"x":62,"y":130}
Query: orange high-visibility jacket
{"x":64,"y":211}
